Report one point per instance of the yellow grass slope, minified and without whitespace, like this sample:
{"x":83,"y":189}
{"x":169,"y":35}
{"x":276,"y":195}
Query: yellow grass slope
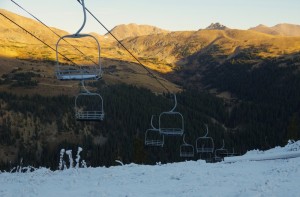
{"x":16,"y":43}
{"x":133,"y":30}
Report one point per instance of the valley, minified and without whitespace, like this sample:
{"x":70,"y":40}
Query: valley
{"x":242,"y":83}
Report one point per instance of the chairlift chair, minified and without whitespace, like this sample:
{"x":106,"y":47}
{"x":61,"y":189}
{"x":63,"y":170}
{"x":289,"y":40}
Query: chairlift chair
{"x":88,"y":106}
{"x":233,"y":153}
{"x":186,"y":150}
{"x":171,"y":122}
{"x":205,"y":144}
{"x":220,"y":153}
{"x":81,"y":72}
{"x":153,"y":136}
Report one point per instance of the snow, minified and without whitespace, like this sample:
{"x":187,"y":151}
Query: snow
{"x":291,"y":150}
{"x":280,"y":177}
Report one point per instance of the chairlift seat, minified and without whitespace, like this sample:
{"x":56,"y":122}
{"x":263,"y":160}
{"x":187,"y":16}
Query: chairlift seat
{"x":81,"y":72}
{"x":84,"y":111}
{"x":220,"y":153}
{"x":171,"y":131}
{"x":205,"y":150}
{"x":176,"y":130}
{"x":89,"y":115}
{"x":187,"y":150}
{"x":154,"y":138}
{"x":78,"y":74}
{"x":204,"y":145}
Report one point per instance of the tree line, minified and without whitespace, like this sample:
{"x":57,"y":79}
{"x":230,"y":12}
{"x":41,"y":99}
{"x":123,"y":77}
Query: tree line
{"x":128,"y":110}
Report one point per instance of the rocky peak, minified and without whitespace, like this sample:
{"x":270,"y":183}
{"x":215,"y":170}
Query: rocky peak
{"x":217,"y":26}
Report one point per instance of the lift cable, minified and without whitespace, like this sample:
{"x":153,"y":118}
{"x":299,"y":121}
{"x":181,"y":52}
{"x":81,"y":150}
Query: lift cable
{"x":53,"y":31}
{"x":147,"y":69}
{"x":37,"y":38}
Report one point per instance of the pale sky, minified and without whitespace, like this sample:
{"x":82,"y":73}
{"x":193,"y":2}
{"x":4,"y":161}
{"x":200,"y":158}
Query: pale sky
{"x":174,"y":15}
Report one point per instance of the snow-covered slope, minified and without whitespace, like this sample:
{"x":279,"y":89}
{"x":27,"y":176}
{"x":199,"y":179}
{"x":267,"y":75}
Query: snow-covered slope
{"x":291,"y":150}
{"x":279,"y":177}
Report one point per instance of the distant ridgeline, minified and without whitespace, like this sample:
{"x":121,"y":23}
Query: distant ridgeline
{"x":36,"y":128}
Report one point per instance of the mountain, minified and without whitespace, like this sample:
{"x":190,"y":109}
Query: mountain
{"x":165,"y":52}
{"x":216,"y":26}
{"x":177,"y":48}
{"x":287,"y":29}
{"x":19,"y":48}
{"x":179,"y":54}
{"x":265,"y":29}
{"x":243,"y":83}
{"x":133,"y":30}
{"x":282,"y":29}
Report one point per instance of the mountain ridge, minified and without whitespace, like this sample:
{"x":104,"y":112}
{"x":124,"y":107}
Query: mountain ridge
{"x":134,"y":30}
{"x":282,"y":29}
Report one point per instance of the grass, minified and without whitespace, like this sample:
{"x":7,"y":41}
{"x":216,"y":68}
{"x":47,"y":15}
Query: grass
{"x":124,"y":72}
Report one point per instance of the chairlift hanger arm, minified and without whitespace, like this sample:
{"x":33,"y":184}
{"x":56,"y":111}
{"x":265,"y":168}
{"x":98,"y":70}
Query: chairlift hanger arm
{"x":83,"y":86}
{"x":223,"y":146}
{"x":175,"y":103}
{"x":183,"y":139}
{"x":84,"y":17}
{"x":206,"y":130}
{"x":152,"y":122}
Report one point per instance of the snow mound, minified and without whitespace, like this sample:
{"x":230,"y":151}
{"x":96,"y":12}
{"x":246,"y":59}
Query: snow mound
{"x":291,"y":150}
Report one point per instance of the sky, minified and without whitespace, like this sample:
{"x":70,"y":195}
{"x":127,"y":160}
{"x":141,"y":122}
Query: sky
{"x":173,"y":15}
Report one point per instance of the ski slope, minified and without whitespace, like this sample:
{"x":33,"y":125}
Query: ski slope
{"x":280,"y":177}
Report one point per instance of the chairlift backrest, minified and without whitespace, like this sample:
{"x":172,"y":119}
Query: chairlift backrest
{"x":186,"y":150}
{"x":89,"y":106}
{"x":221,"y":153}
{"x":153,"y":136}
{"x":167,"y":120}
